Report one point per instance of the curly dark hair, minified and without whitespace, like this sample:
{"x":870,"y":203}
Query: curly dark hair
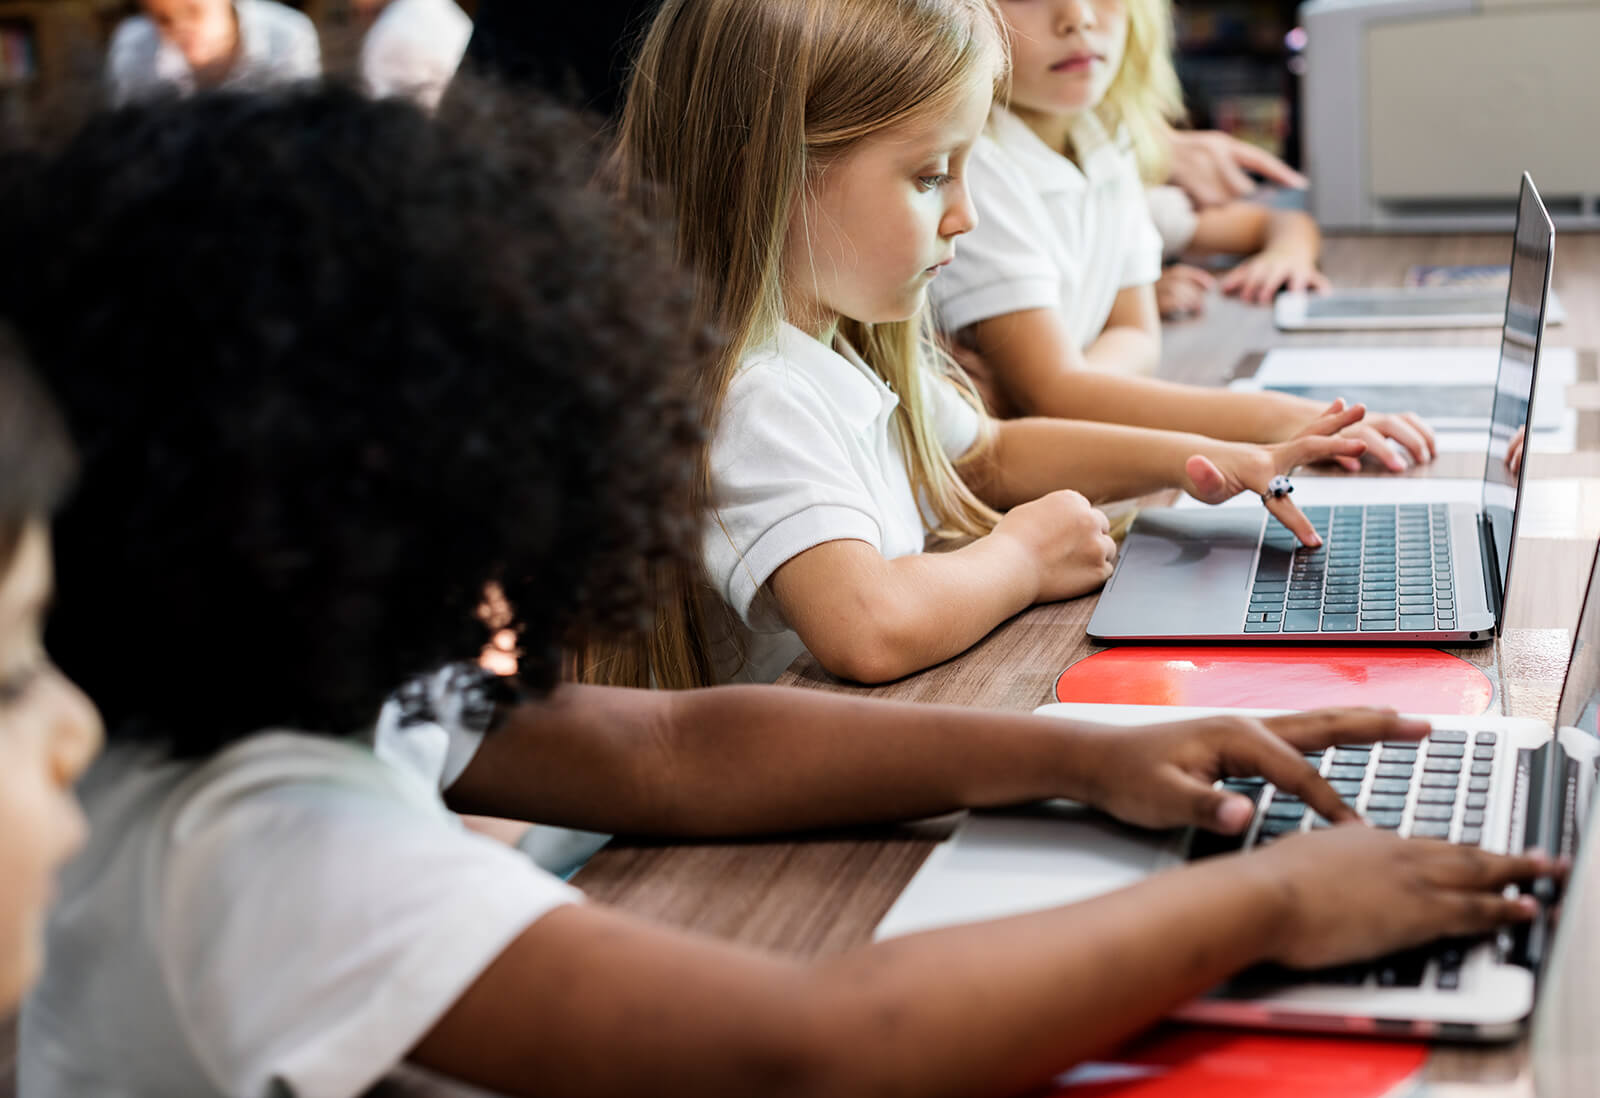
{"x":37,"y":461}
{"x":335,"y":365}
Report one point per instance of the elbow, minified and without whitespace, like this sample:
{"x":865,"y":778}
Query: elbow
{"x":874,"y":643}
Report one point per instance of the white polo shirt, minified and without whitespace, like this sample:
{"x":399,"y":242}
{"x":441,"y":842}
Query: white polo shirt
{"x":276,"y":45}
{"x":414,"y":49}
{"x":1050,"y":233}
{"x":1175,"y":218}
{"x":804,"y":452}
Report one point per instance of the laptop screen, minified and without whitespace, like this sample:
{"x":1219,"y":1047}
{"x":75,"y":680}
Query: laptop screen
{"x":1531,"y":253}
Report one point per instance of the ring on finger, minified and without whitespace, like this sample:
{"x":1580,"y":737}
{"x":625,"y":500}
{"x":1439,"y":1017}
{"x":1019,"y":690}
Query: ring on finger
{"x":1277,"y":488}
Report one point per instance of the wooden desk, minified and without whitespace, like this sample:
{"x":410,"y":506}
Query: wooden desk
{"x":821,"y":895}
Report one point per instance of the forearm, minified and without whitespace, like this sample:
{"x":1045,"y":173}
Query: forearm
{"x":1124,"y":349}
{"x":749,"y":760}
{"x":891,"y":618}
{"x":1294,"y":232}
{"x":1001,"y":1007}
{"x":992,"y":1008}
{"x":1171,"y":406}
{"x":1101,"y":460}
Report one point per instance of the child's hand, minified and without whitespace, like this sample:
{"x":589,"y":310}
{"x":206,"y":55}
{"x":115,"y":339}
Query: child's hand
{"x":1358,"y":892}
{"x":1381,"y":433}
{"x":1225,"y":469}
{"x":1161,"y":775}
{"x":1067,"y":540}
{"x":1261,"y":276}
{"x":1181,"y":291}
{"x":1514,"y":450}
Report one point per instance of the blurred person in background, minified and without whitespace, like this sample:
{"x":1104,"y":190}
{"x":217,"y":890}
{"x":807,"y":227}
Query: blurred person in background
{"x":182,"y":46}
{"x":412,"y":47}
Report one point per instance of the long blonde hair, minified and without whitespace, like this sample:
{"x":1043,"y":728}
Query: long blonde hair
{"x":1145,"y":95}
{"x":734,"y":109}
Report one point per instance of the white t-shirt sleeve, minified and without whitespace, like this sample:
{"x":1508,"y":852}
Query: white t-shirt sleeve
{"x":299,"y":54}
{"x":1175,"y":218}
{"x":414,"y":50}
{"x":955,"y":421}
{"x":311,"y":933}
{"x":1142,"y":259}
{"x":1000,"y":266}
{"x":131,"y":60}
{"x":783,"y":482}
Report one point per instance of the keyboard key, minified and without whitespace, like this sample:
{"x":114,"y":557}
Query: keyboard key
{"x":1439,"y":795}
{"x":1416,"y":621}
{"x":1439,"y":781}
{"x":1314,"y":605}
{"x":1485,"y":737}
{"x":1473,"y":817}
{"x":1483,"y":751}
{"x":1280,"y":811}
{"x":1391,"y":785}
{"x":1447,"y":735}
{"x":1339,"y":623}
{"x":1448,"y":979}
{"x":1356,"y":756}
{"x":1379,"y":623}
{"x":1442,"y":766}
{"x":1346,"y":772}
{"x":1482,"y":769}
{"x":1430,"y":829}
{"x":1394,"y":770}
{"x":1471,"y":836}
{"x":1301,"y":621}
{"x":1478,"y":784}
{"x":1261,"y":627}
{"x":1442,"y":750}
{"x":1398,"y":752}
{"x":1387,"y":818}
{"x":1386,"y":802}
{"x":1346,"y":787}
{"x":1477,"y":800}
{"x":1434,"y":812}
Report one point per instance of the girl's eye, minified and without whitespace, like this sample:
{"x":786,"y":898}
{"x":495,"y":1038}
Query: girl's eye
{"x":927,"y":183}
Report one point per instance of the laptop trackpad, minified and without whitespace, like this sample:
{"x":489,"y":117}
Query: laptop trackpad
{"x":1183,"y":573}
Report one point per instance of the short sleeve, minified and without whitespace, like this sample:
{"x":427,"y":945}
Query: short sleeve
{"x":955,"y":420}
{"x":1142,"y":257}
{"x":313,"y":931}
{"x":1001,"y":266}
{"x":131,"y":60}
{"x":1174,"y":217}
{"x":782,"y":481}
{"x":301,"y":55}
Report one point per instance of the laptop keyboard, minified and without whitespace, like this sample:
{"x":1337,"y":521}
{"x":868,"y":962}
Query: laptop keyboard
{"x":1381,"y":567}
{"x":1437,"y":789}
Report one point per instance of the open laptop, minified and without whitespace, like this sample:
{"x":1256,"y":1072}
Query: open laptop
{"x":1422,"y":569}
{"x":1396,"y":307}
{"x":1502,"y":783}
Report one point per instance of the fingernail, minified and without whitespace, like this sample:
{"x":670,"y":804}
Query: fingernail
{"x":1233,"y":815}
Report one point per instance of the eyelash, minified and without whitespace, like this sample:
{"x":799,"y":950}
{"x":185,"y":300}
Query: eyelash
{"x":929,"y":183}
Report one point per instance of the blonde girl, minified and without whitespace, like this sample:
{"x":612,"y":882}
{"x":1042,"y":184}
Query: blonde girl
{"x":813,"y":156}
{"x":1054,"y":288}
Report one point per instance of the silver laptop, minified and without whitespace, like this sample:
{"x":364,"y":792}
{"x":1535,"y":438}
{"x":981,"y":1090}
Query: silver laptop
{"x":1408,"y":307}
{"x":1502,"y":783}
{"x":1420,"y":570}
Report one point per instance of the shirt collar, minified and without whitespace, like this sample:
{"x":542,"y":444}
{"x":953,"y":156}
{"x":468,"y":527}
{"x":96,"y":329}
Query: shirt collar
{"x":860,"y":396}
{"x":1049,"y":170}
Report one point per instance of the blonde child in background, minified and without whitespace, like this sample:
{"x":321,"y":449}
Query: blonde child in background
{"x":183,"y":46}
{"x":48,"y":730}
{"x":1280,"y":249}
{"x":1053,"y":291}
{"x":815,"y":212}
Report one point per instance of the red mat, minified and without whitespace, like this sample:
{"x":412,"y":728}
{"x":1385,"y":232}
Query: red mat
{"x":1206,"y":1063}
{"x":1412,"y":680}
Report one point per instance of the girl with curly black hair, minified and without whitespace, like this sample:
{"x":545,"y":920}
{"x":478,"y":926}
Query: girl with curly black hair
{"x":336,"y":368}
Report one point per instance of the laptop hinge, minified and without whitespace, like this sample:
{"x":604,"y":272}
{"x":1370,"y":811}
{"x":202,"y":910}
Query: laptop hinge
{"x":1491,"y":568}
